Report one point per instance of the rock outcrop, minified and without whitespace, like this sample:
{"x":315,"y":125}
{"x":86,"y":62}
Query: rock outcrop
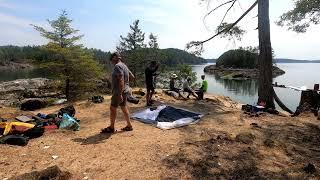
{"x":14,"y":93}
{"x":13,"y":66}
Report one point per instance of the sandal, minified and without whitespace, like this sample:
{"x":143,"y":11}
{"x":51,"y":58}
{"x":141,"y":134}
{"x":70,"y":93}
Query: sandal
{"x":127,"y":128}
{"x":107,"y":130}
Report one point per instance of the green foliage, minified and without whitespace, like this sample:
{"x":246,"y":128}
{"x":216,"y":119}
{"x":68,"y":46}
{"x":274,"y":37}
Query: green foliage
{"x":238,"y":59}
{"x":101,"y":57}
{"x":68,"y":62}
{"x":251,"y":49}
{"x":25,"y":54}
{"x":63,"y":34}
{"x":175,"y":57}
{"x":185,"y":71}
{"x":305,"y":12}
{"x":134,"y":39}
{"x":234,"y":33}
{"x":256,"y":50}
{"x":137,"y":56}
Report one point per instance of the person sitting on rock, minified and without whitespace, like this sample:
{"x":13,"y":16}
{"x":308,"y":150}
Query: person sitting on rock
{"x":176,"y":92}
{"x":204,"y":87}
{"x":188,"y":89}
{"x":172,"y":83}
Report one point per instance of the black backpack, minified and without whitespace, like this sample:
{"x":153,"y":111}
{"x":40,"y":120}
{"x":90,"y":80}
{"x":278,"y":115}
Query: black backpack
{"x":34,"y":132}
{"x":97,"y":99}
{"x":16,"y":139}
{"x":67,"y":110}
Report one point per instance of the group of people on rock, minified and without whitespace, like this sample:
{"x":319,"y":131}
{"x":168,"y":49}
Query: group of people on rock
{"x":186,"y":87}
{"x":121,"y":75}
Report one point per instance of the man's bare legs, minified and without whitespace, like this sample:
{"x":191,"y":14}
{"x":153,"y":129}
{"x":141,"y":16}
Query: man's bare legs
{"x":126,"y":115}
{"x":147,"y":97}
{"x":150,"y":96}
{"x":113,"y":116}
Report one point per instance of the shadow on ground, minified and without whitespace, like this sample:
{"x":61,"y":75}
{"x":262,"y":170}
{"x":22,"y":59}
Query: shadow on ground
{"x":215,"y":155}
{"x":94,"y":139}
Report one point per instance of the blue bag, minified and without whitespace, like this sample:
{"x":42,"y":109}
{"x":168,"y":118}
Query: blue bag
{"x":69,"y":122}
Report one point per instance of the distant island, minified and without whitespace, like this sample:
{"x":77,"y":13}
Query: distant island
{"x":278,"y":60}
{"x":238,"y":64}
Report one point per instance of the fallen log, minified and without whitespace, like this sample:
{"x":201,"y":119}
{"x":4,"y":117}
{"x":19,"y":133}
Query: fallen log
{"x":280,"y":103}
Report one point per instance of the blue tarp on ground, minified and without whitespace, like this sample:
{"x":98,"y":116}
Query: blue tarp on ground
{"x":167,"y":117}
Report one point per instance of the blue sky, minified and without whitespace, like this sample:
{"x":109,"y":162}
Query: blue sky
{"x":176,"y":22}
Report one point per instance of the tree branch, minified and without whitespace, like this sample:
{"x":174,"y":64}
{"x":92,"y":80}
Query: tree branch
{"x":218,"y":8}
{"x":195,"y":43}
{"x":225,"y":15}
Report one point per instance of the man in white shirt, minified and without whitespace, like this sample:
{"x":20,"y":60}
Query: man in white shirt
{"x":188,"y":89}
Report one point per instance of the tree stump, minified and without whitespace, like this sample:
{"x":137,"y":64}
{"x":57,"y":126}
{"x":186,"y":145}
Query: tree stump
{"x":309,"y":102}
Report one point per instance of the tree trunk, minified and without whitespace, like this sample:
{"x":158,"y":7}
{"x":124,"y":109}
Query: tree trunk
{"x":309,"y":102}
{"x":68,"y":89}
{"x":66,"y":73}
{"x":280,"y":103}
{"x":265,"y":91}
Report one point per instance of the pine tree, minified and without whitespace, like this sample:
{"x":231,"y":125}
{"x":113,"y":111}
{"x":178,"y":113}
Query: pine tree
{"x":68,"y":61}
{"x":132,"y":48}
{"x":134,"y":39}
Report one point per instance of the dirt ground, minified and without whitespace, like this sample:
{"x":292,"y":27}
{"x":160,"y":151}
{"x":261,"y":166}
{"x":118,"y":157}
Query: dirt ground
{"x":225,"y":144}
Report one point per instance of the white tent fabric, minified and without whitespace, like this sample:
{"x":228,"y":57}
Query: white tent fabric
{"x":302,"y":88}
{"x":151,"y":116}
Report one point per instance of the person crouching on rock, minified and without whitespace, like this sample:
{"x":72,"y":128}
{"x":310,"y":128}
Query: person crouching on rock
{"x":188,"y":89}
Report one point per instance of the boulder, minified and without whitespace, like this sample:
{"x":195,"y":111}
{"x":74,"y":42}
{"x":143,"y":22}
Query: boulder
{"x":33,"y":104}
{"x":13,"y":93}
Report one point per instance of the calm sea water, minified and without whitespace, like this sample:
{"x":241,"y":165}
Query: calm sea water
{"x":21,"y":74}
{"x":246,"y":91}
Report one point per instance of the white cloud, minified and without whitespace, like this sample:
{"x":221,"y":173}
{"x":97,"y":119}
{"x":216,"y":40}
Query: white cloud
{"x":11,"y":35}
{"x":18,"y":31}
{"x":7,"y":5}
{"x":6,"y":19}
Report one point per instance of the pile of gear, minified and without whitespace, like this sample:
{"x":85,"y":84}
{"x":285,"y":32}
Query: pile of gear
{"x":19,"y":131}
{"x":257,"y":110}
